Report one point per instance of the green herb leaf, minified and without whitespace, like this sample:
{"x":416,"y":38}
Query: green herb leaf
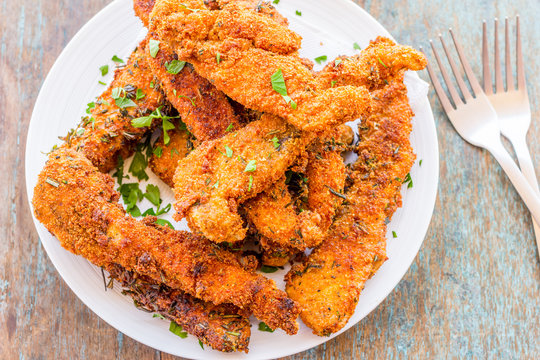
{"x":356,"y":46}
{"x":394,"y":235}
{"x":117,"y":93}
{"x":124,"y":103}
{"x":299,"y":13}
{"x":158,"y":316}
{"x":116,"y":59}
{"x":187,"y":97}
{"x":337,"y":62}
{"x":383,"y":64}
{"x":268,"y":269}
{"x":321,"y":59}
{"x":276,"y":2}
{"x":251,"y":166}
{"x":408,"y":180}
{"x":140,"y":94}
{"x":104,"y":70}
{"x":218,"y":58}
{"x":264,"y":327}
{"x":250,"y":182}
{"x":90,"y":106}
{"x":177,"y":330}
{"x":175,"y":66}
{"x":230,"y":127}
{"x":201,"y":344}
{"x":144,"y":121}
{"x":333,"y":83}
{"x":152,"y":194}
{"x":167,"y":125}
{"x":153,"y":45}
{"x":278,"y":84}
{"x":228,"y":151}
{"x":164,"y":222}
{"x":138,"y":166}
{"x":420,"y":163}
{"x":101,"y":83}
{"x":275,"y":142}
{"x":158,"y":151}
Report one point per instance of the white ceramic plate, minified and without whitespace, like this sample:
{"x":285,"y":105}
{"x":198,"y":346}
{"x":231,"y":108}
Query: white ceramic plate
{"x":329,"y":27}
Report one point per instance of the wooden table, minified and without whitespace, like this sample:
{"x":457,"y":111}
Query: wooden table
{"x":472,"y":292}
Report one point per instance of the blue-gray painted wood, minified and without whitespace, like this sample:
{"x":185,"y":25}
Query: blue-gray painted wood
{"x":472,"y":292}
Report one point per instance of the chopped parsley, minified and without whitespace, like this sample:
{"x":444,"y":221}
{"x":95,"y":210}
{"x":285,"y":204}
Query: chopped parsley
{"x":228,"y":151}
{"x":321,"y":59}
{"x":158,"y":316}
{"x":121,"y":99}
{"x":104,"y":70}
{"x":218,"y":58}
{"x":298,"y":12}
{"x":251,"y":166}
{"x":264,"y":327}
{"x":201,"y":344}
{"x":164,"y":222}
{"x":408,"y":180}
{"x":140,"y":94}
{"x":117,"y":60}
{"x":90,"y":106}
{"x":268,"y":269}
{"x":250,"y":183}
{"x":278,"y":84}
{"x":152,"y":194}
{"x":153,"y":45}
{"x":175,"y":66}
{"x":158,"y":151}
{"x":383,"y":64}
{"x":276,"y":2}
{"x":177,"y":330}
{"x":394,"y":235}
{"x":420,"y":162}
{"x":333,"y":83}
{"x":230,"y":127}
{"x":101,"y":83}
{"x":275,"y":142}
{"x":356,"y":46}
{"x":138,"y":166}
{"x":131,"y":195}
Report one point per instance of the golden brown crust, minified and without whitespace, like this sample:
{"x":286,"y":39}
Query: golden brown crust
{"x":165,"y":158}
{"x":79,"y":206}
{"x":329,"y":282}
{"x":252,"y":47}
{"x":222,"y":327}
{"x":107,"y":133}
{"x":143,"y":8}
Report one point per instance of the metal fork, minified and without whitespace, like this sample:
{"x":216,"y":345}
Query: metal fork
{"x":511,"y":105}
{"x":476,"y":121}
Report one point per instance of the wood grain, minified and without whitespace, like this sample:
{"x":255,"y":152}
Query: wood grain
{"x":472,"y":292}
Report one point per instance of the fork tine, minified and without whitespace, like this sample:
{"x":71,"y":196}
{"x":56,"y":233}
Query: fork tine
{"x":455,"y":96}
{"x":468,"y":70}
{"x":466,"y":94}
{"x":488,"y":87}
{"x":519,"y":59}
{"x":508,"y":61}
{"x":447,"y":106}
{"x":499,"y":85}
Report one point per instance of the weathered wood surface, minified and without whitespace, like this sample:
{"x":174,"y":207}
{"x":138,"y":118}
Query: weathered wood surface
{"x":472,"y":292}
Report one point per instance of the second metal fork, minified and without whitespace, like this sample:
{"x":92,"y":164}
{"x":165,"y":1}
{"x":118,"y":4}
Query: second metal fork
{"x":511,"y":104}
{"x":476,"y":121}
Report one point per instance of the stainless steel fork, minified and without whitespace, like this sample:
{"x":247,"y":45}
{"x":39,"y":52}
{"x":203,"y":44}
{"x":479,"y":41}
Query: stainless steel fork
{"x":476,"y":121}
{"x":511,"y":104}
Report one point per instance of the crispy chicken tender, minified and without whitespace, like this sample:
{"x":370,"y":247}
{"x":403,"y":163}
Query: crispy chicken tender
{"x":252,"y":47}
{"x":143,"y":8}
{"x":221,"y":174}
{"x":302,"y":224}
{"x":212,"y":324}
{"x":79,"y":205}
{"x":328,"y":284}
{"x":107,"y":133}
{"x":164,"y":163}
{"x":206,"y":111}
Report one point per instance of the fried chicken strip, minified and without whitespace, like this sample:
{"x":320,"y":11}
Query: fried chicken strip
{"x":252,"y":47}
{"x":107,"y":133}
{"x":79,"y":205}
{"x":211,"y":324}
{"x":329,"y":282}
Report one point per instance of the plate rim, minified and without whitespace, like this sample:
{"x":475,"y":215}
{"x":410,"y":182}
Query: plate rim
{"x":424,"y":226}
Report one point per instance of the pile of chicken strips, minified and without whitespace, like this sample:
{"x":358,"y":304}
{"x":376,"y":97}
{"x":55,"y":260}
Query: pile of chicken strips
{"x":252,"y":142}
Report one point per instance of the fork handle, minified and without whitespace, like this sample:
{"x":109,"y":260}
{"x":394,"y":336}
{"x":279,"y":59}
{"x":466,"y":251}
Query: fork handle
{"x":527,"y":168}
{"x":529,"y":196}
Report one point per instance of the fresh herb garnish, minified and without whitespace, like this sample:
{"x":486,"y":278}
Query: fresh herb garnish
{"x":175,"y":66}
{"x":201,"y":344}
{"x":230,"y":127}
{"x":228,"y":151}
{"x":420,"y":162}
{"x":250,"y":182}
{"x":152,"y":194}
{"x":408,"y":180}
{"x":101,"y":83}
{"x":218,"y":58}
{"x":321,"y":59}
{"x":167,"y":125}
{"x":264,"y":327}
{"x":383,"y":64}
{"x":90,"y":106}
{"x":299,"y":13}
{"x":333,"y":83}
{"x":278,"y":84}
{"x":394,"y":235}
{"x":187,"y":97}
{"x":153,"y":45}
{"x":131,"y":195}
{"x":251,"y":166}
{"x":275,"y":142}
{"x":158,"y":151}
{"x":276,"y":2}
{"x":268,"y":269}
{"x":116,"y":59}
{"x":159,"y":316}
{"x":104,"y":70}
{"x":140,"y":94}
{"x":138,"y":166}
{"x":177,"y":330}
{"x":356,"y":46}
{"x":337,"y":62}
{"x":164,"y":222}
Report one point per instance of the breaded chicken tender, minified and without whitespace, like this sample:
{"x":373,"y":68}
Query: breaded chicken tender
{"x":328,"y":284}
{"x":222,"y":327}
{"x":79,"y":205}
{"x":253,"y":50}
{"x":107,"y":133}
